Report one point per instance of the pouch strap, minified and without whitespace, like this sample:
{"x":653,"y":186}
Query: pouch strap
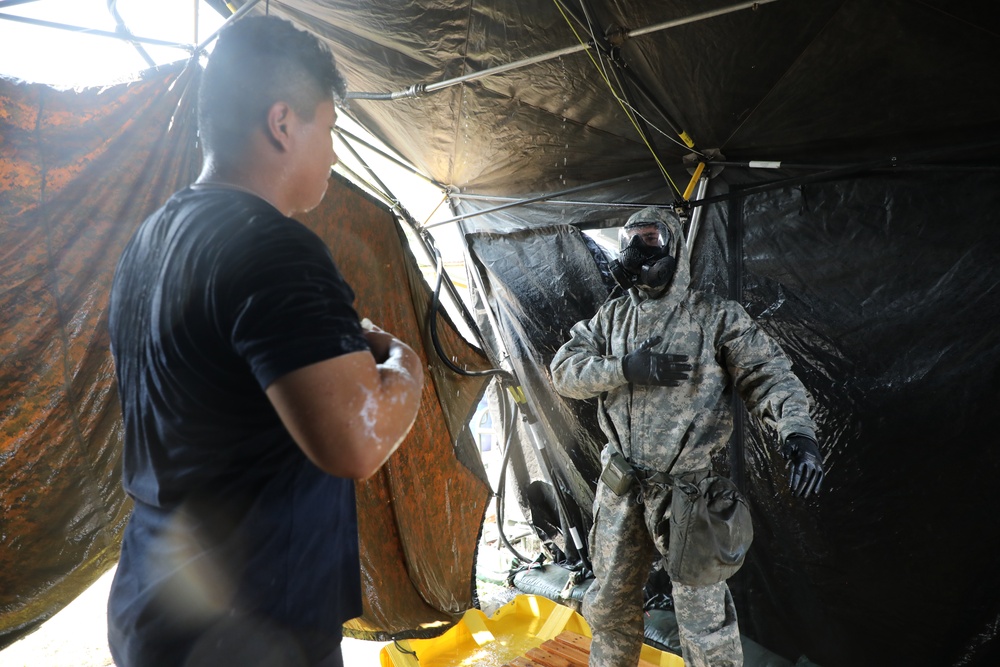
{"x":647,"y":476}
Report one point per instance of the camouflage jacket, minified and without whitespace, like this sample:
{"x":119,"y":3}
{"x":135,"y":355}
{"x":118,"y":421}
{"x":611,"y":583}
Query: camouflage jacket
{"x":727,"y":349}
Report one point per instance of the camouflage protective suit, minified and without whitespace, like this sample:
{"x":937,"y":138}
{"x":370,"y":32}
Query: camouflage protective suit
{"x":650,"y":425}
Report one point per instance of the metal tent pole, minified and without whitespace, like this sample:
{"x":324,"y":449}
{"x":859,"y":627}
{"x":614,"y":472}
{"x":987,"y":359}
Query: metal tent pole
{"x":120,"y":22}
{"x":421,"y":88}
{"x":237,"y":15}
{"x":531,"y":200}
{"x":520,"y":399}
{"x":425,"y":239}
{"x":97,"y":33}
{"x":392,"y":158}
{"x":4,"y":4}
{"x":699,"y":193}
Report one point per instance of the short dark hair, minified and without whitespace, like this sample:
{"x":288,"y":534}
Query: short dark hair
{"x":256,"y":62}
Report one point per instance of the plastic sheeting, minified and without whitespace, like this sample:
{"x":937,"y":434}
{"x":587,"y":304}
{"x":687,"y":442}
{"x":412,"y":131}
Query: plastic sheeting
{"x":419,"y":517}
{"x":883,"y":290}
{"x":511,"y":635}
{"x":886,"y":299}
{"x":537,"y":281}
{"x":78,"y":172}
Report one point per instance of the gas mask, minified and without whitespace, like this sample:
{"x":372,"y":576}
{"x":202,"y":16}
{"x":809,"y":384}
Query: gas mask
{"x":644,"y":256}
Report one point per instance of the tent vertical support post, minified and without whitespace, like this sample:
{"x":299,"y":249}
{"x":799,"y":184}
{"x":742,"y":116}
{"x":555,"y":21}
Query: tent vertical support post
{"x":696,"y":214}
{"x":520,"y":399}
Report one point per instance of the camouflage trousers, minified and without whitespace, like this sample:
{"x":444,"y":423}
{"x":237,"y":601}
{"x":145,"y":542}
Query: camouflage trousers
{"x":624,"y":540}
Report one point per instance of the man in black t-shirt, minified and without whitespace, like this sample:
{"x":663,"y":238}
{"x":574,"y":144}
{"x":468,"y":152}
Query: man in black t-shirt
{"x":252,"y":395}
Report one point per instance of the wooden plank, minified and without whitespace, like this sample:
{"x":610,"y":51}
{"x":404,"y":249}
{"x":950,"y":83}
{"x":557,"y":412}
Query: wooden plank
{"x":567,"y":650}
{"x":550,"y":659}
{"x":575,"y":640}
{"x":521,"y":661}
{"x":582,"y":643}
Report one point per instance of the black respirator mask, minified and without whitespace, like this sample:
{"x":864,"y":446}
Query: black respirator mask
{"x":641,"y":264}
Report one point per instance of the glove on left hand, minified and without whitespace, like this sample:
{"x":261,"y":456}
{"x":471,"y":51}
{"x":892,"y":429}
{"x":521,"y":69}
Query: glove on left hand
{"x":806,"y":474}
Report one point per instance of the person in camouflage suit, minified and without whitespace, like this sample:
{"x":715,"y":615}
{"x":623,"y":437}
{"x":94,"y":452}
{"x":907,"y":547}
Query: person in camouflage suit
{"x":661,"y":358}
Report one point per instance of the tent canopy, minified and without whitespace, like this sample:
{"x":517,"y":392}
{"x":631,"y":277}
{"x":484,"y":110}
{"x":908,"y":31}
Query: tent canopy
{"x":852,"y":207}
{"x":831,"y":82}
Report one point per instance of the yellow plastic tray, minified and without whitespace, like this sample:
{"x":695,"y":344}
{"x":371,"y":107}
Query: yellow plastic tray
{"x":480,"y":641}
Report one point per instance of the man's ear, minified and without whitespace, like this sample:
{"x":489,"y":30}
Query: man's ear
{"x":279,"y":116}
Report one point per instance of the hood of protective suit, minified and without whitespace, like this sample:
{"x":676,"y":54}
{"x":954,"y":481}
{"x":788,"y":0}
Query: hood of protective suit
{"x":678,"y":285}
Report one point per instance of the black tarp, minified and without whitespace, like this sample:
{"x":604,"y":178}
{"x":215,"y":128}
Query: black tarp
{"x":884,"y":292}
{"x":538,"y":282}
{"x":888,"y":305}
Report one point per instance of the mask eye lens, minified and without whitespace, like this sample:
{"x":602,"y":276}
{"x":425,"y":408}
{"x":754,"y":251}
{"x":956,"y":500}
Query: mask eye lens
{"x":652,"y":235}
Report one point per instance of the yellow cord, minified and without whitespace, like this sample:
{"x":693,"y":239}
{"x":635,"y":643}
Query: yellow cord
{"x":628,"y":112}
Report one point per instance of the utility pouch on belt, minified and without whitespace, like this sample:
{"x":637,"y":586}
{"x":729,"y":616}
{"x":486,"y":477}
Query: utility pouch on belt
{"x":710,"y":530}
{"x":618,"y":474}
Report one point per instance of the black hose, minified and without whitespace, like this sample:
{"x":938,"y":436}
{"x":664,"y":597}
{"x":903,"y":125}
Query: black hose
{"x":501,"y":485}
{"x":543,"y":455}
{"x":435,"y":306}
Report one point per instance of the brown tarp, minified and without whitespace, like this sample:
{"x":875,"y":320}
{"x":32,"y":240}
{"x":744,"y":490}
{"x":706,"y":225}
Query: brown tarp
{"x":78,"y":171}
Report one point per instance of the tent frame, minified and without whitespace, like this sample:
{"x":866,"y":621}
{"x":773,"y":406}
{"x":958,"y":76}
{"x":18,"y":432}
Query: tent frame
{"x":124,"y":34}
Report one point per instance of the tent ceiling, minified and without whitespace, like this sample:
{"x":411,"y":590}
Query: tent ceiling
{"x":826,"y":81}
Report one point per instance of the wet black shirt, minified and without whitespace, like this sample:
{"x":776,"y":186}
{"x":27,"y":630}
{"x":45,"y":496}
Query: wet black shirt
{"x":216,"y":296}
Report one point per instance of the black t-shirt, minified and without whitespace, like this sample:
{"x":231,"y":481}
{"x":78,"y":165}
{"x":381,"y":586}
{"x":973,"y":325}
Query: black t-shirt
{"x":216,"y":296}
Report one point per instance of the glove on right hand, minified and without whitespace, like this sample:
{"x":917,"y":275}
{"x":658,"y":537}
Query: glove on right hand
{"x":641,"y":366}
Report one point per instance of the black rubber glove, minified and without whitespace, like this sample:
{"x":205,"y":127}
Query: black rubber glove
{"x":806,"y":474}
{"x":641,"y":366}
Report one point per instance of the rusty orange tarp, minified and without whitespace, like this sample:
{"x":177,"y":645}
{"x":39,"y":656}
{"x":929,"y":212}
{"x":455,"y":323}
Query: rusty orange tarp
{"x":419,"y":517}
{"x":78,"y":171}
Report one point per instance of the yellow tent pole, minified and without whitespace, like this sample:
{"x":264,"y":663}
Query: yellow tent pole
{"x":694,"y":179}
